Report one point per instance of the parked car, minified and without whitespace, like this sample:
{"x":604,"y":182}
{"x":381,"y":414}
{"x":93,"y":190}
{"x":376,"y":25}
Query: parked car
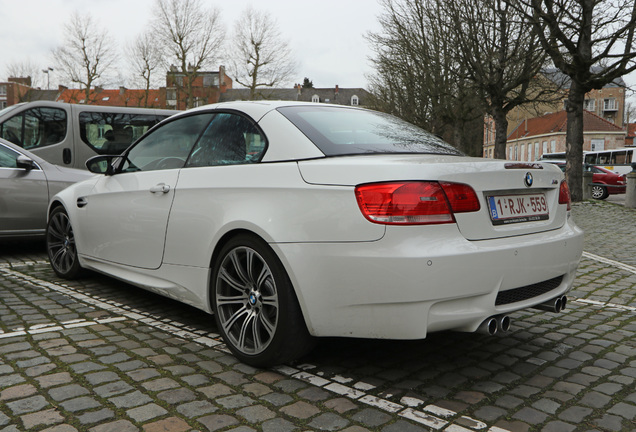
{"x":26,"y":184}
{"x":615,"y":183}
{"x":605,"y":182}
{"x":68,"y":134}
{"x":292,"y":220}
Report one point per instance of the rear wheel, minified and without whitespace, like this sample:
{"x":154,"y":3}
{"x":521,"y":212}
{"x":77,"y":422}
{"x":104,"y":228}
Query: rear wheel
{"x":255,"y":306}
{"x":599,"y":192}
{"x":60,"y":245}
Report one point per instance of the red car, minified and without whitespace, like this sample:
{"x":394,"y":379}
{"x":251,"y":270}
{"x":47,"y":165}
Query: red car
{"x":601,"y":176}
{"x":606,"y":182}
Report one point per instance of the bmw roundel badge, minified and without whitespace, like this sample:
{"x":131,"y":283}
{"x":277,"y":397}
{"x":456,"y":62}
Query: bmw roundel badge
{"x":528,"y":179}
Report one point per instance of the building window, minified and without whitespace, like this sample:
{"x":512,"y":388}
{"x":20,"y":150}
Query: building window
{"x":610,"y":104}
{"x":3,"y":90}
{"x":589,"y":104}
{"x":355,"y":100}
{"x":315,"y":99}
{"x":553,"y":146}
{"x":210,"y":80}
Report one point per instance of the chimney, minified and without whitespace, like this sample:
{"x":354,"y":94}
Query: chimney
{"x":336,"y":88}
{"x":122,"y":90}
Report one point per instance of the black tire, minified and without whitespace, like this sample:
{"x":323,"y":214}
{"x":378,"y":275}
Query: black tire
{"x":60,"y":245}
{"x":255,"y":306}
{"x":599,"y":192}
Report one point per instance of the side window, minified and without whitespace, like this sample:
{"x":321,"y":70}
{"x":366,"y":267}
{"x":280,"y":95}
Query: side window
{"x":12,"y":129}
{"x":168,"y":146}
{"x":112,"y":133}
{"x":37,"y":127}
{"x":229,"y":139}
{"x":7,"y":157}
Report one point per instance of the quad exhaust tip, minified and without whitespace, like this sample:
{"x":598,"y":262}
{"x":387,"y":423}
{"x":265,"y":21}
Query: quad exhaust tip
{"x":492,"y":325}
{"x":501,"y":323}
{"x":555,"y":305}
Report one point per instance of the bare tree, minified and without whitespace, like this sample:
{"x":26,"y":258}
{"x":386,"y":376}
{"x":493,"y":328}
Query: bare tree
{"x":414,"y":77}
{"x":260,"y":56}
{"x":592,"y":42}
{"x":146,"y":58}
{"x":87,"y":53}
{"x":190,"y":36}
{"x":500,"y":54}
{"x":27,"y":68}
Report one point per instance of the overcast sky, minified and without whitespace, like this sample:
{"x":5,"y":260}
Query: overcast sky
{"x":326,"y":36}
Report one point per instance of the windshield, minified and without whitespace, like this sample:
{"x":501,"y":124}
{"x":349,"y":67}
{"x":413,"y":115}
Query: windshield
{"x":348,"y":131}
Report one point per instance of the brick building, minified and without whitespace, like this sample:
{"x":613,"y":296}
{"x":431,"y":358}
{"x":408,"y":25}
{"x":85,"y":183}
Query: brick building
{"x":14,"y":91}
{"x":335,"y":95}
{"x":607,"y":103}
{"x":546,"y":134}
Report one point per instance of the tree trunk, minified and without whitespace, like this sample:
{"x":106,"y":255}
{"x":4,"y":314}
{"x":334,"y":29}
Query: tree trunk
{"x":501,"y":132}
{"x":574,"y":141}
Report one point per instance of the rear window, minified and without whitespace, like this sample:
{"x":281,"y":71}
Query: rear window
{"x":340,"y":131}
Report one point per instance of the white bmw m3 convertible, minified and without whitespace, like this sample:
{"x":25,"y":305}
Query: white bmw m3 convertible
{"x":289,"y":221}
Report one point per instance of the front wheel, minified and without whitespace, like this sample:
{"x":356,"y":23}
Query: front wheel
{"x":255,"y":306}
{"x":60,"y":245}
{"x":599,"y":192}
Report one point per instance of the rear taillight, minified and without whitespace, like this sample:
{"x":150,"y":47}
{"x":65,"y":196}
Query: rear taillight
{"x":564,"y":194}
{"x":462,"y":198}
{"x":415,"y":203}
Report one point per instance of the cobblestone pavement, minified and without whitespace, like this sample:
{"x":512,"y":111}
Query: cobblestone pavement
{"x":99,"y":355}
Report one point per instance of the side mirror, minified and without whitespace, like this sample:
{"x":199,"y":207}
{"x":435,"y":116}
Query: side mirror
{"x":101,"y":164}
{"x":25,"y":163}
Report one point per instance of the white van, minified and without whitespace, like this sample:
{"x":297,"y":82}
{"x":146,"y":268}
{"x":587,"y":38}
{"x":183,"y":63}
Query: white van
{"x":67,"y":134}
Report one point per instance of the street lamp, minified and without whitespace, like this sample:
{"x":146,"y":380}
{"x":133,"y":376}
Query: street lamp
{"x":48,"y":81}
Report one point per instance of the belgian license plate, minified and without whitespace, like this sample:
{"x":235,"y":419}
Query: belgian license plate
{"x":508,"y":209}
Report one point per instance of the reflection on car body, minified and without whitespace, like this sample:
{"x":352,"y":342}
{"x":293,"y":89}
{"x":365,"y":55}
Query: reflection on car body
{"x":290,"y":221}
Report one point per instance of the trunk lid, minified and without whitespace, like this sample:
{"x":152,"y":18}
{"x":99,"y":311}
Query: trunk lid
{"x":512,"y":188}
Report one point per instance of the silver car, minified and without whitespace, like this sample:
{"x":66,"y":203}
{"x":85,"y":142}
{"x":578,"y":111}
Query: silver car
{"x":26,"y":184}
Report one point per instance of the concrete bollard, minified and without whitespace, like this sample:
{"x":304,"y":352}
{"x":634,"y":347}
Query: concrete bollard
{"x":587,"y":185}
{"x":630,"y":193}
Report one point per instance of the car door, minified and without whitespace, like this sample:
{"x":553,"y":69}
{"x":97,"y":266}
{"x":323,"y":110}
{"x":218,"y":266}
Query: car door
{"x":126,"y":213}
{"x":211,"y":186}
{"x":23,"y":196}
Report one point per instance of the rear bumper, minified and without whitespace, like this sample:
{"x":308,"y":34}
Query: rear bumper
{"x":417,"y":280}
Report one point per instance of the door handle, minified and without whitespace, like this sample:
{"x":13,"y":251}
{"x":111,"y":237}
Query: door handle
{"x":81,"y":202}
{"x":161,"y":187}
{"x":66,"y":156}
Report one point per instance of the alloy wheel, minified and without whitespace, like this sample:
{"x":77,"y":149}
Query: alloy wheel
{"x":247,"y":300}
{"x":61,"y":243}
{"x":598,"y":192}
